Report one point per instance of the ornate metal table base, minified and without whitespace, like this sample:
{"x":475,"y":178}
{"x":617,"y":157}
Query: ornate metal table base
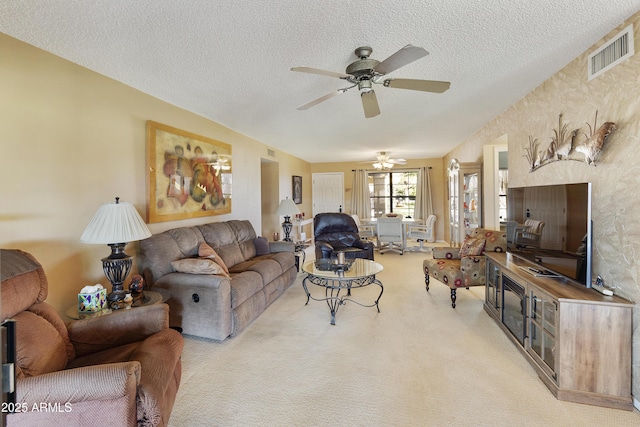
{"x":333,"y":286}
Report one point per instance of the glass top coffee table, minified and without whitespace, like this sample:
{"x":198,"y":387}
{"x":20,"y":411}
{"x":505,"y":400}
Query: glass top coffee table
{"x":336,"y":278}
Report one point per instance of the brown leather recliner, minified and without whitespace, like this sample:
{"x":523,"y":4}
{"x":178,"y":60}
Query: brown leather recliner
{"x":122,"y":368}
{"x":338,"y":232}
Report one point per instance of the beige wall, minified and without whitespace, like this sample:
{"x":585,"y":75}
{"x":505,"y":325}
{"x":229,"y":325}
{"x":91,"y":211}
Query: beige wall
{"x":438,"y":187}
{"x":616,"y":95}
{"x":73,"y":139}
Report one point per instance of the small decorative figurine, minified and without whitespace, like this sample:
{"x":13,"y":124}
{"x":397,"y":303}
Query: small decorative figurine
{"x":136,"y":288}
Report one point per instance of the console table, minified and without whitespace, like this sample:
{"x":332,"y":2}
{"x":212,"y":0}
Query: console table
{"x":578,"y":341}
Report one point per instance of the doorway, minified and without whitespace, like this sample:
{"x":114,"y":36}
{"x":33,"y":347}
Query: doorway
{"x":495,"y":183}
{"x":269,"y":197}
{"x":327,"y":192}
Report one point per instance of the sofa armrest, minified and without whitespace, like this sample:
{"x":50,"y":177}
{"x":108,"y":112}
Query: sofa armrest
{"x":281,"y":247}
{"x":118,"y":328}
{"x":446,"y":253}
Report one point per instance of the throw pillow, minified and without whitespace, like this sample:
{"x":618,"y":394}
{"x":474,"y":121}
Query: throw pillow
{"x":198,"y":266}
{"x":206,"y":251}
{"x":472,"y":246}
{"x":262,"y":246}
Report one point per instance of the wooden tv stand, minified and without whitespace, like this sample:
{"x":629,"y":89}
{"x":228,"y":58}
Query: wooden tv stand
{"x":577,"y":340}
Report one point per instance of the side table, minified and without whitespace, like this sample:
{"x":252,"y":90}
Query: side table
{"x":150,"y":298}
{"x":299,"y":251}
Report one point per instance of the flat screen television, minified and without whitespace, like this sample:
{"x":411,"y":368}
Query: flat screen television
{"x":567,"y":237}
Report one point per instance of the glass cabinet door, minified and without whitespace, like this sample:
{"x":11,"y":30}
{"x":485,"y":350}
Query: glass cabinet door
{"x":542,"y":329}
{"x":471,"y":204}
{"x":454,"y":203}
{"x":493,"y":286}
{"x":465,"y":198}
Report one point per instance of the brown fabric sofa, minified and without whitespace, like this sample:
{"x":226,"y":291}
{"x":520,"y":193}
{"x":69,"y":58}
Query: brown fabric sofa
{"x":213,"y":305}
{"x":122,"y":368}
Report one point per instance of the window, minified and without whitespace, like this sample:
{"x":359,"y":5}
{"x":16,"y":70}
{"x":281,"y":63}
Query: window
{"x":393,"y":192}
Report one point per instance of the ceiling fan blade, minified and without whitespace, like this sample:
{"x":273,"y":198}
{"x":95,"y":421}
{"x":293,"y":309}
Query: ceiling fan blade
{"x":321,"y":99}
{"x":320,"y":72}
{"x":403,"y":57}
{"x":414,"y":84}
{"x":397,"y":161}
{"x":370,"y":104}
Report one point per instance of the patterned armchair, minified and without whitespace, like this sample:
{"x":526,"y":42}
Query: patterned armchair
{"x":465,"y":266}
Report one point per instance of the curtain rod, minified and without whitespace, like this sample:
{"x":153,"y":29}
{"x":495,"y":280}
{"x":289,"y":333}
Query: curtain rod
{"x":398,"y":169}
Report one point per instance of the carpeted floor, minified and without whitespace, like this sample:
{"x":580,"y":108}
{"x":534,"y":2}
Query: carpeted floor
{"x":416,"y":363}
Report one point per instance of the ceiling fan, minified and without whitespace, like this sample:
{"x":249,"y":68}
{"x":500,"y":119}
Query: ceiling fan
{"x":365,"y":72}
{"x":384,"y":162}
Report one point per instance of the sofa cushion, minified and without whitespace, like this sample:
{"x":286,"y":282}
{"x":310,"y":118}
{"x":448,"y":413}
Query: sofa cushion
{"x":198,"y":266}
{"x":232,"y":240}
{"x":445,"y":270}
{"x":262,"y":246}
{"x":496,"y":241}
{"x":269,"y":269}
{"x":206,"y":251}
{"x":243,"y":286}
{"x":472,"y":246}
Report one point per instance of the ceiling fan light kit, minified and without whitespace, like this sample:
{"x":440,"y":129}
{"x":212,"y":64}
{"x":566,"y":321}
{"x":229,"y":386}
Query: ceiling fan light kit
{"x":384,"y":162}
{"x":364,"y":72}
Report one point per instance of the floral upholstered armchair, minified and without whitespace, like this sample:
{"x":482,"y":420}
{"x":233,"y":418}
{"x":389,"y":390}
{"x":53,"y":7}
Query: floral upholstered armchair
{"x":464,"y":266}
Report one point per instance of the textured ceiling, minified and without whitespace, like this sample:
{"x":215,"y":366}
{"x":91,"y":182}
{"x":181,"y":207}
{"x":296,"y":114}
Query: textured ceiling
{"x":230,"y":60}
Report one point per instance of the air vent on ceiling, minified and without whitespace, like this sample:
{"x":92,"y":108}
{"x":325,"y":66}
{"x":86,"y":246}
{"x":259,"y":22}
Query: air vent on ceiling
{"x":612,"y":53}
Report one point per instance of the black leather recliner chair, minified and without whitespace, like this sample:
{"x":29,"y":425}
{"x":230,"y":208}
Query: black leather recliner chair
{"x":339,"y":232}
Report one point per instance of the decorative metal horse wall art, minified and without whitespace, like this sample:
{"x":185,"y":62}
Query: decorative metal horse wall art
{"x":563,"y":142}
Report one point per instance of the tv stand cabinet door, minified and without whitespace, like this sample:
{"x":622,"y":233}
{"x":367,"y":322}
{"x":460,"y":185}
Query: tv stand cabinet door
{"x":594,"y":354}
{"x":541,"y":332}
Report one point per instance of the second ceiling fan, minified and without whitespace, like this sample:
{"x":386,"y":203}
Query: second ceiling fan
{"x":365,"y":72}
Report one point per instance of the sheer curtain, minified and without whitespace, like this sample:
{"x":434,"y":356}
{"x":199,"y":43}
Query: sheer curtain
{"x":424,"y":204}
{"x":360,"y":200}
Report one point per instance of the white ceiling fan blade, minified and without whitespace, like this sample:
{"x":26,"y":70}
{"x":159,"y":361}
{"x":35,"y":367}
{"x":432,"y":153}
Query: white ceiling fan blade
{"x":320,"y":72}
{"x":370,"y":104}
{"x":397,"y":161}
{"x":414,"y":84}
{"x":321,"y":99}
{"x":404,"y":56}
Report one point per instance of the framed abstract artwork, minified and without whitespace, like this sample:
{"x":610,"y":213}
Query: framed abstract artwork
{"x":297,"y":189}
{"x":188,"y":175}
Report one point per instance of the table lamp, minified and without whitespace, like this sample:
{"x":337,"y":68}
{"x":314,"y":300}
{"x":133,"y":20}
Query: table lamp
{"x":115,"y":224}
{"x":287,"y":209}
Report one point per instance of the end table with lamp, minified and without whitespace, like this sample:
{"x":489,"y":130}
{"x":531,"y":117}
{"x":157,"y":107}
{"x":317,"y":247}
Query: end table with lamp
{"x":115,"y":224}
{"x":150,"y":298}
{"x":287,"y":209}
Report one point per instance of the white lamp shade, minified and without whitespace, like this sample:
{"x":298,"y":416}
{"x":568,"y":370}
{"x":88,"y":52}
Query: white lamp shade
{"x":287,"y":208}
{"x":117,"y":222}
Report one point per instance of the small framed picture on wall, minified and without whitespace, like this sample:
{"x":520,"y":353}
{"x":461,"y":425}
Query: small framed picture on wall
{"x":297,"y":189}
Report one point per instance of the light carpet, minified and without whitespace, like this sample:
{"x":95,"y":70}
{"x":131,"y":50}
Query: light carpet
{"x":418,"y":362}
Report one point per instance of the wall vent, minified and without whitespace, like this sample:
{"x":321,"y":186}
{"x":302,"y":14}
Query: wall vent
{"x":611,"y":53}
{"x":270,"y":152}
